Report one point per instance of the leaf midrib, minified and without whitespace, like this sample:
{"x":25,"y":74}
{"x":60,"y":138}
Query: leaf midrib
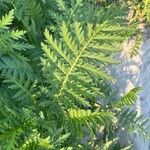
{"x":74,"y":64}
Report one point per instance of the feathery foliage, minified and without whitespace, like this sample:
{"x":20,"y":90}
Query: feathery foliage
{"x":53,"y":67}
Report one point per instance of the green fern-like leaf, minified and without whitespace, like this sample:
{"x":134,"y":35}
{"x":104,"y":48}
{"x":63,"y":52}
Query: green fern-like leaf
{"x":6,"y":20}
{"x":80,"y":119}
{"x":129,"y":99}
{"x":130,"y":120}
{"x":73,"y":55}
{"x":81,"y":116}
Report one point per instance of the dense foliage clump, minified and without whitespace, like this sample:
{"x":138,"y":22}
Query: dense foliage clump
{"x":54,"y":87}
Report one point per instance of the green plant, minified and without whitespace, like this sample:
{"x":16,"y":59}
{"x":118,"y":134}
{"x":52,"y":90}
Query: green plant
{"x":48,"y":93}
